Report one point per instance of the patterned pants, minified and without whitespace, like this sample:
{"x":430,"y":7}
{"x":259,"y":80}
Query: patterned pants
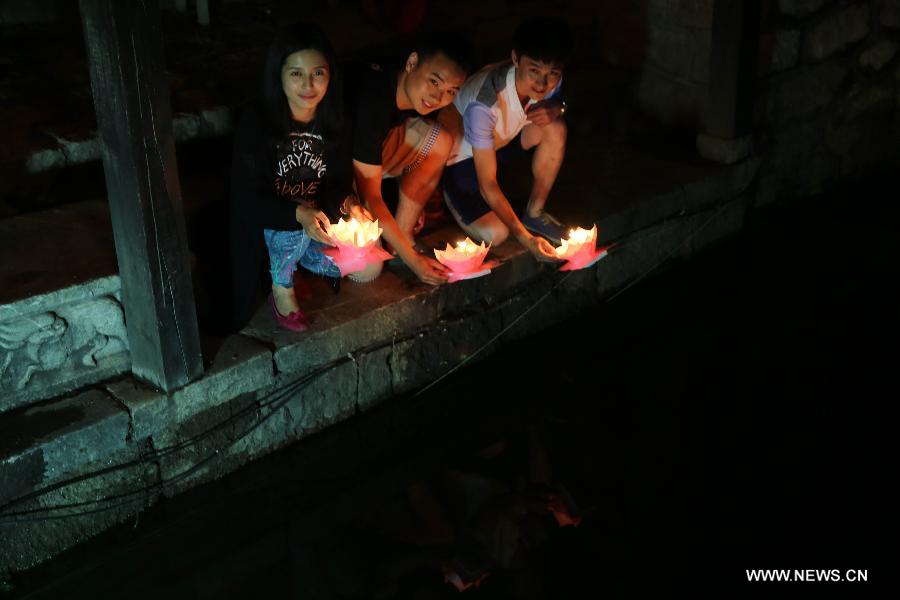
{"x":288,"y":248}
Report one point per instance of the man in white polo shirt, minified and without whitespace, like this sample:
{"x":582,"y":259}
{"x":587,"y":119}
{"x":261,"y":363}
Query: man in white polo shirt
{"x":506,"y":109}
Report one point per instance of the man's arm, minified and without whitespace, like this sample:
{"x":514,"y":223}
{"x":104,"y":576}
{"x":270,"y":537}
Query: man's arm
{"x":368,"y":184}
{"x":486,"y":170}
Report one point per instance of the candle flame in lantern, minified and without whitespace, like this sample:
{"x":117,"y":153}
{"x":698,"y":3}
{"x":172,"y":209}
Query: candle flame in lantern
{"x":355,"y":233}
{"x":577,"y":238}
{"x":468,"y":247}
{"x":355,"y":245}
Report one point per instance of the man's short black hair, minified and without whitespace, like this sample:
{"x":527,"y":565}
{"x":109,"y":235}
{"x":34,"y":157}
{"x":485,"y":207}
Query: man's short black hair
{"x":451,"y":45}
{"x":546,"y":39}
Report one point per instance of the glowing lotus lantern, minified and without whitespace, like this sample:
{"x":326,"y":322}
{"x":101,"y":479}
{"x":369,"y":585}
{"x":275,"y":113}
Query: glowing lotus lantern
{"x":355,"y":246}
{"x":579,"y":250}
{"x":464,"y":260}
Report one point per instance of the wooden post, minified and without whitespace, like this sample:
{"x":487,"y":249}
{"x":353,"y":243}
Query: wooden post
{"x":732,"y":81}
{"x":131,"y":97}
{"x":732,"y":69}
{"x":203,"y":12}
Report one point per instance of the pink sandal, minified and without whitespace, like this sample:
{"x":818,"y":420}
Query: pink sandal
{"x":296,"y":321}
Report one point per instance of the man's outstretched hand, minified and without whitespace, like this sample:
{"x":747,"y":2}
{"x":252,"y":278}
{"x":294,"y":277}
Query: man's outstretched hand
{"x":541,"y":249}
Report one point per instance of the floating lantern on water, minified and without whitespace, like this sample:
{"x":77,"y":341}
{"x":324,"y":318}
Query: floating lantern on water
{"x":462,"y":578}
{"x":579,"y":250}
{"x":464,"y":260}
{"x":355,"y":245}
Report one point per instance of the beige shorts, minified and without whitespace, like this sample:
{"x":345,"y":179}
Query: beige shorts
{"x":407,"y":145}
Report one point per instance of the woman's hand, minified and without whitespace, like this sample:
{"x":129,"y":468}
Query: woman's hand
{"x":315,"y":223}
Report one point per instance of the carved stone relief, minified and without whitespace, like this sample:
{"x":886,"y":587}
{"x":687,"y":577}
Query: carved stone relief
{"x":47,"y":350}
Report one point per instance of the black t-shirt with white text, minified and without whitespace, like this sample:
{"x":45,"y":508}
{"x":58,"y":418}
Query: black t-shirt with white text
{"x":300,"y":166}
{"x":270,"y":177}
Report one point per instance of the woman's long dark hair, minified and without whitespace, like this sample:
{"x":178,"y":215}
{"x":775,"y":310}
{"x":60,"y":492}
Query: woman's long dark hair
{"x":329,"y":112}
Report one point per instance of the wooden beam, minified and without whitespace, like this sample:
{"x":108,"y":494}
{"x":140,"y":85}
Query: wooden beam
{"x":203,"y":12}
{"x":131,"y":98}
{"x":732,"y":72}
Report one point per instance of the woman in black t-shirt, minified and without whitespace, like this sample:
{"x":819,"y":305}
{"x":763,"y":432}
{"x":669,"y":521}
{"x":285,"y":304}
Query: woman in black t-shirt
{"x":291,"y":172}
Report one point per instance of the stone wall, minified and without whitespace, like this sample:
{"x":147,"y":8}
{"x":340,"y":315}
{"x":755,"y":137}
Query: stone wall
{"x":828,"y":93}
{"x":675,"y":73}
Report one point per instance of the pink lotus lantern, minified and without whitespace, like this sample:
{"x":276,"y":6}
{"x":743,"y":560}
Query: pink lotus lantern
{"x":579,"y":250}
{"x":464,"y":260}
{"x":355,"y":246}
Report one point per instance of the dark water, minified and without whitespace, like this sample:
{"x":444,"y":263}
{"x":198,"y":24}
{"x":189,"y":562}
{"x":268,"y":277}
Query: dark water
{"x":726,"y":415}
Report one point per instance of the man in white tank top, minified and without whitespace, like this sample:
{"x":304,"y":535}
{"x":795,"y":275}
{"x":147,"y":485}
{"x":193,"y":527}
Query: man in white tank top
{"x":505,"y":109}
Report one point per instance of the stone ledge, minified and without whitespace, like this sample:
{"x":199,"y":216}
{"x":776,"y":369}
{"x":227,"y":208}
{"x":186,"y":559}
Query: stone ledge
{"x":205,"y":124}
{"x":242,"y":365}
{"x":43,"y":444}
{"x":103,"y":286}
{"x":366,"y":314}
